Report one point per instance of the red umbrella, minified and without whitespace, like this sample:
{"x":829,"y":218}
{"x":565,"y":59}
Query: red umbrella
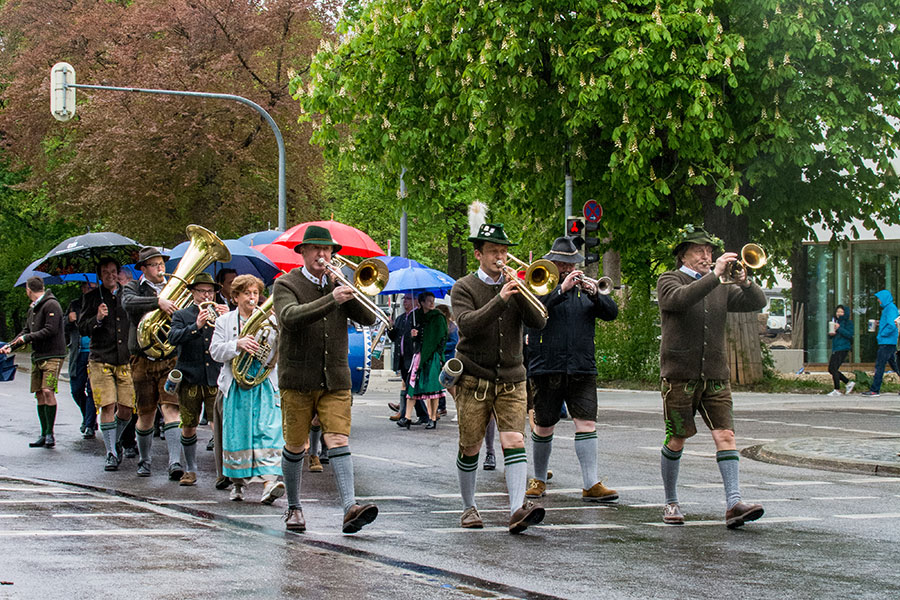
{"x":283,"y":257}
{"x":353,"y":241}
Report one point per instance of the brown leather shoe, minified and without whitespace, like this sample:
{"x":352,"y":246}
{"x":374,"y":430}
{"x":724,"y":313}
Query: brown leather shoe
{"x":294,"y":521}
{"x":742,"y":513}
{"x":529,"y":514}
{"x":536,"y":488}
{"x":396,"y":416}
{"x":358,"y":517}
{"x":471,"y":519}
{"x":599,"y":493}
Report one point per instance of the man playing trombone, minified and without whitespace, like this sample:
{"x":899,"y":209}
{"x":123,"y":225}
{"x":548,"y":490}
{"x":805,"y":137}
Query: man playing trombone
{"x":490,"y":310}
{"x":562,"y":368}
{"x":314,"y":373}
{"x":693,"y":305}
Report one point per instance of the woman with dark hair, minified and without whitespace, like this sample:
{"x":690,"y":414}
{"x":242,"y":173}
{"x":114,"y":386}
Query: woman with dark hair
{"x":840,"y":329}
{"x":430,"y":334}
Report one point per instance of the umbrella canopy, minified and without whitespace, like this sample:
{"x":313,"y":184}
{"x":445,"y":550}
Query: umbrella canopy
{"x":48,"y":279}
{"x":283,"y":257}
{"x":397,"y":262}
{"x":260,"y":237}
{"x":244,"y":260}
{"x":80,"y":254}
{"x":419,"y":279}
{"x":353,"y":241}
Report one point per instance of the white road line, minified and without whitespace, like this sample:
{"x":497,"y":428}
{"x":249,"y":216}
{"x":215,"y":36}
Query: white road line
{"x":391,"y":460}
{"x":239,"y":516}
{"x":386,"y":498}
{"x":395,"y":513}
{"x":722,"y":523}
{"x":184,"y":501}
{"x":829,"y":498}
{"x":688,"y":452}
{"x":62,"y":500}
{"x":500,"y":510}
{"x":661,"y":505}
{"x":98,"y":515}
{"x":98,"y":533}
{"x":39,"y":490}
{"x":478,"y":495}
{"x":872,"y":480}
{"x":870,"y":516}
{"x":789,"y":483}
{"x":753,"y":439}
{"x":466,"y":530}
{"x":713,"y":486}
{"x":582,"y":526}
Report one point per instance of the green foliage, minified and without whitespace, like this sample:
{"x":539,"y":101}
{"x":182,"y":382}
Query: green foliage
{"x":628,"y":347}
{"x":768,"y":362}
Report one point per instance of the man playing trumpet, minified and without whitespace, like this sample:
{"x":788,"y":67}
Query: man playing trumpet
{"x":693,"y":306}
{"x":191,"y":332}
{"x":490,"y":312}
{"x":562,"y":368}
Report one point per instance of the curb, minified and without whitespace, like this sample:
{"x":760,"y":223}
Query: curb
{"x":781,"y":453}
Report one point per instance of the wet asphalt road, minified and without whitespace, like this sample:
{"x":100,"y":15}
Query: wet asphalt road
{"x":826,"y":534}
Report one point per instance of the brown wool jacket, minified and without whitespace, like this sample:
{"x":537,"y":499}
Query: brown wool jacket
{"x":490,"y":330}
{"x":693,"y":315}
{"x":312,"y":342}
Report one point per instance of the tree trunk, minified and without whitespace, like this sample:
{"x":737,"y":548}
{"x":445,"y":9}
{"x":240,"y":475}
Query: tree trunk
{"x":799,"y":293}
{"x":457,"y":241}
{"x":742,"y":337}
{"x":612,"y":266}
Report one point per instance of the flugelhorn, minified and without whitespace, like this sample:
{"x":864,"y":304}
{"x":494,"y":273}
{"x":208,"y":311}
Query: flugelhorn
{"x":541,"y":277}
{"x":211,"y":313}
{"x":603,"y":286}
{"x":153,"y":328}
{"x":369,"y":278}
{"x":752,"y":257}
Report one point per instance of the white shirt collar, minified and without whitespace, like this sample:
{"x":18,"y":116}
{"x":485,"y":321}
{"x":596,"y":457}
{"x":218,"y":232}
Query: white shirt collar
{"x":156,"y":286}
{"x":689,"y":271}
{"x":487,"y":278}
{"x":311,"y":277}
{"x":38,"y":299}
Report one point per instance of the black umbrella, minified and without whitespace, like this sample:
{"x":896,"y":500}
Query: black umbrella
{"x":80,"y":254}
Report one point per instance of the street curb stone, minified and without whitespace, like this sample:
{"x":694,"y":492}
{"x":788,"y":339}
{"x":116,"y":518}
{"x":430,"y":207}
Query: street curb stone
{"x":873,"y":456}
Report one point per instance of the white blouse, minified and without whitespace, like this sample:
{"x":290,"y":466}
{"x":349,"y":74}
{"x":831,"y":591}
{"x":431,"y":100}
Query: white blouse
{"x":223,"y":348}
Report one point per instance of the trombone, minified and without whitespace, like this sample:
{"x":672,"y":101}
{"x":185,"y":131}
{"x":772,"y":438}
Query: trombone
{"x":369,"y":278}
{"x":541,"y":277}
{"x":752,"y":257}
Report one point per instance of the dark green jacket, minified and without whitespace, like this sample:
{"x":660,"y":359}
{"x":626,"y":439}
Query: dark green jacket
{"x":693,"y":313}
{"x":490,"y":330}
{"x":312,"y":341}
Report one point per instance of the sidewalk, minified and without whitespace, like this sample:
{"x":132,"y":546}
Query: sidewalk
{"x":871,"y":455}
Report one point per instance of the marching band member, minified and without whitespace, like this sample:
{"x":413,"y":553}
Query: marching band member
{"x":251,"y":419}
{"x":191,"y":333}
{"x":562,"y":368}
{"x":490,"y":313}
{"x":314,"y":374}
{"x":693,"y":364}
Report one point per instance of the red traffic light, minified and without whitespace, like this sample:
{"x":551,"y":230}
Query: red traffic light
{"x":574,"y":226}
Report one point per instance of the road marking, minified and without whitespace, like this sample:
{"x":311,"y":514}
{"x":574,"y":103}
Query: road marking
{"x":387,"y":498}
{"x":391,"y":460}
{"x":713,"y":486}
{"x":582,"y":526}
{"x":872,"y":480}
{"x":688,"y":452}
{"x":870,"y":516}
{"x":787,"y":483}
{"x":478,"y":495}
{"x":395,"y":513}
{"x":744,"y":437}
{"x":184,"y":501}
{"x":500,"y":510}
{"x":98,"y":533}
{"x":98,"y":515}
{"x":721,"y":523}
{"x":240,"y":516}
{"x":655,"y":505}
{"x":39,"y":490}
{"x":844,"y":498}
{"x":468,"y":530}
{"x":62,"y":500}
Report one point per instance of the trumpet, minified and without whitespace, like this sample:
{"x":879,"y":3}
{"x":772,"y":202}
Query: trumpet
{"x":752,"y":257}
{"x":603,"y":286}
{"x":211,"y":313}
{"x":369,"y":278}
{"x":541,"y":277}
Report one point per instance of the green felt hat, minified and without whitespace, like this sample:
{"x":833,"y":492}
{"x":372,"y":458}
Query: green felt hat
{"x":317,"y":235}
{"x":695,"y":234}
{"x":204,"y":278}
{"x":492,"y":232}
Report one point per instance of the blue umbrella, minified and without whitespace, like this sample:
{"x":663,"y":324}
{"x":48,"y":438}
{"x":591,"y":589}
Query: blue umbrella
{"x":260,"y":237}
{"x":398,"y":262}
{"x":30,"y":272}
{"x":419,"y":279}
{"x":244,"y":259}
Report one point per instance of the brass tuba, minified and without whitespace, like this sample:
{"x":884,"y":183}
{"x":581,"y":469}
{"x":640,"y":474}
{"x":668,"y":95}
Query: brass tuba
{"x":153,"y":329}
{"x":251,"y":368}
{"x":752,"y":257}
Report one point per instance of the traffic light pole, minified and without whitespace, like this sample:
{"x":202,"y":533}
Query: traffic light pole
{"x":282,"y":202}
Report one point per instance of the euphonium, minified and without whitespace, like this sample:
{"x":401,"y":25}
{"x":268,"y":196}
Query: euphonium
{"x":752,"y":257}
{"x":153,"y":329}
{"x":252,"y":368}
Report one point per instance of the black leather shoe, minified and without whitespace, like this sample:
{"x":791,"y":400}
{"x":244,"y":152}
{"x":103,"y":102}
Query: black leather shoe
{"x":130,"y":452}
{"x":421,"y":421}
{"x":404,"y":422}
{"x":431,"y":425}
{"x":211,"y":445}
{"x":49,"y":441}
{"x":112,"y":464}
{"x":38,"y":443}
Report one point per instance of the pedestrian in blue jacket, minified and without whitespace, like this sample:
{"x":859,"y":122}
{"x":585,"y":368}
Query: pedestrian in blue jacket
{"x":887,"y":341}
{"x":841,"y":332}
